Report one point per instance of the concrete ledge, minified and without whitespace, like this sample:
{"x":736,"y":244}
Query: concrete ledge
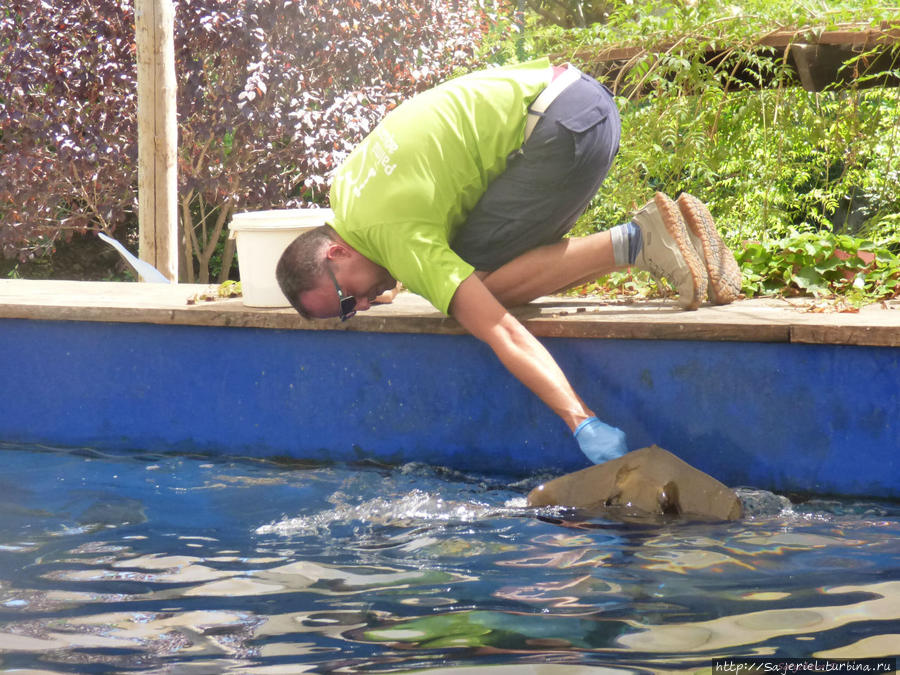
{"x":760,"y":320}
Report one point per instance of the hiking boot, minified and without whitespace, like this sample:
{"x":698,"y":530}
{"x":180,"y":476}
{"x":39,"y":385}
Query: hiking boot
{"x":723,"y":273}
{"x":667,"y":250}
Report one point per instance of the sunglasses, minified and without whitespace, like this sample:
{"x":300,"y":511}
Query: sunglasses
{"x":348,"y":304}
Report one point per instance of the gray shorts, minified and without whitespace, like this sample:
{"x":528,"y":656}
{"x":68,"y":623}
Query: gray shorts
{"x":548,"y":182}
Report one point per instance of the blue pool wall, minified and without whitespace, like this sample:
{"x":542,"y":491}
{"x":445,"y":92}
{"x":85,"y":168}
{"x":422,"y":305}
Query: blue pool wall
{"x":822,"y":419}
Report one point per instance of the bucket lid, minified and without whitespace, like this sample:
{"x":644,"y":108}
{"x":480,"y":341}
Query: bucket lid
{"x":280,"y":219}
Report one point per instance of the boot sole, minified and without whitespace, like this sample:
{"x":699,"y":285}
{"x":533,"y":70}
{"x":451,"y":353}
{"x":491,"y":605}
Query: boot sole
{"x":721,"y":267}
{"x":675,"y":225}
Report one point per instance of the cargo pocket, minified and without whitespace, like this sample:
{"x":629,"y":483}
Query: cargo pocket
{"x":583,"y":126}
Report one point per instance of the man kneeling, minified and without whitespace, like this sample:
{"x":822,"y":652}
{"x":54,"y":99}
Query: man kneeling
{"x":464,"y":194}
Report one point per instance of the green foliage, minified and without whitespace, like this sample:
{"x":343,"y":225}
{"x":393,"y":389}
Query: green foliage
{"x":847,"y":271}
{"x":822,"y":266}
{"x":770,"y":161}
{"x":801,"y":174}
{"x":628,"y":285}
{"x":701,"y":24}
{"x":568,"y":13}
{"x":766,"y":162}
{"x":225,"y":290}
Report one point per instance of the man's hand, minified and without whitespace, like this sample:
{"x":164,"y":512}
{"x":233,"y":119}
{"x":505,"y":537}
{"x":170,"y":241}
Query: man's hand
{"x":388,"y":296}
{"x":599,"y":441}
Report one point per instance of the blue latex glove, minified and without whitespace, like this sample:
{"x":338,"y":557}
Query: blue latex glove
{"x":599,"y":441}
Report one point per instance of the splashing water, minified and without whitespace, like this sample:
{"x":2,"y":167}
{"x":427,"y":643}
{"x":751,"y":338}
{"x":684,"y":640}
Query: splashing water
{"x":416,"y":507}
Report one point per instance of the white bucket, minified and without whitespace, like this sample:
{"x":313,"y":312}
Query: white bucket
{"x":261,"y":237}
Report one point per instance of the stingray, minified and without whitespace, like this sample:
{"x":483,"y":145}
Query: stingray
{"x":650,"y":481}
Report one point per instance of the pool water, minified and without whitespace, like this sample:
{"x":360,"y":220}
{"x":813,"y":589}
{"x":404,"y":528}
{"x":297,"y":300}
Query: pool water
{"x":182,"y":564}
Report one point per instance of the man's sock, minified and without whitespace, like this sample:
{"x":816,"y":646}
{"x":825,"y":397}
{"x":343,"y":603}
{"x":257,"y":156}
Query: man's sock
{"x":627,"y":243}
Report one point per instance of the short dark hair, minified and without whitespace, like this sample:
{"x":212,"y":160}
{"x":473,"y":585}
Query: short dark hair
{"x":301,"y":264}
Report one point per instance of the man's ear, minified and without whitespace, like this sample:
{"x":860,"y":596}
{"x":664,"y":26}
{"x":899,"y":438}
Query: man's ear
{"x":336,"y":251}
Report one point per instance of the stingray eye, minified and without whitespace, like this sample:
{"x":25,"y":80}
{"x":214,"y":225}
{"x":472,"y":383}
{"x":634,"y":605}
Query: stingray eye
{"x":668,"y":500}
{"x":670,"y":508}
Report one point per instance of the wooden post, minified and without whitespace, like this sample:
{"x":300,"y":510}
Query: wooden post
{"x":157,"y":135}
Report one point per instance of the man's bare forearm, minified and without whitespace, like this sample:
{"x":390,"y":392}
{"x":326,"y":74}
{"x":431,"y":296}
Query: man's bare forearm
{"x":519,"y":351}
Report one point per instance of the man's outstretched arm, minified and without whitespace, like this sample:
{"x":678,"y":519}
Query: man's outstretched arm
{"x":524,"y":356}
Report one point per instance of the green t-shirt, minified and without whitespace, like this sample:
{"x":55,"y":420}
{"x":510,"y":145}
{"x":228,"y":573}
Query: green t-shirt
{"x":401,"y":194}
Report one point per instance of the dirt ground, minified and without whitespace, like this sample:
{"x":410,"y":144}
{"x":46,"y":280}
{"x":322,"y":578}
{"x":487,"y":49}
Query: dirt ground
{"x":84,"y":258}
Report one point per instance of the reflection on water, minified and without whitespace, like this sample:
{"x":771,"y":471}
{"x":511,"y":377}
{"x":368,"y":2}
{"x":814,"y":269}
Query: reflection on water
{"x":192,"y":565}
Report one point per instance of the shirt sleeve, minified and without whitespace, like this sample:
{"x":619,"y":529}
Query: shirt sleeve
{"x":419,"y":256}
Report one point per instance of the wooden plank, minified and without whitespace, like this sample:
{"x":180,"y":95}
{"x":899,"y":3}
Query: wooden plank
{"x":866,"y":336}
{"x":858,"y":36}
{"x":815,"y":58}
{"x":649,"y":320}
{"x":157,"y":135}
{"x":762,"y":320}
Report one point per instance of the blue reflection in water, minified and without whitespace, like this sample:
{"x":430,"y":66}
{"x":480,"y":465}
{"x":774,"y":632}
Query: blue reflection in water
{"x":153,"y":564}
